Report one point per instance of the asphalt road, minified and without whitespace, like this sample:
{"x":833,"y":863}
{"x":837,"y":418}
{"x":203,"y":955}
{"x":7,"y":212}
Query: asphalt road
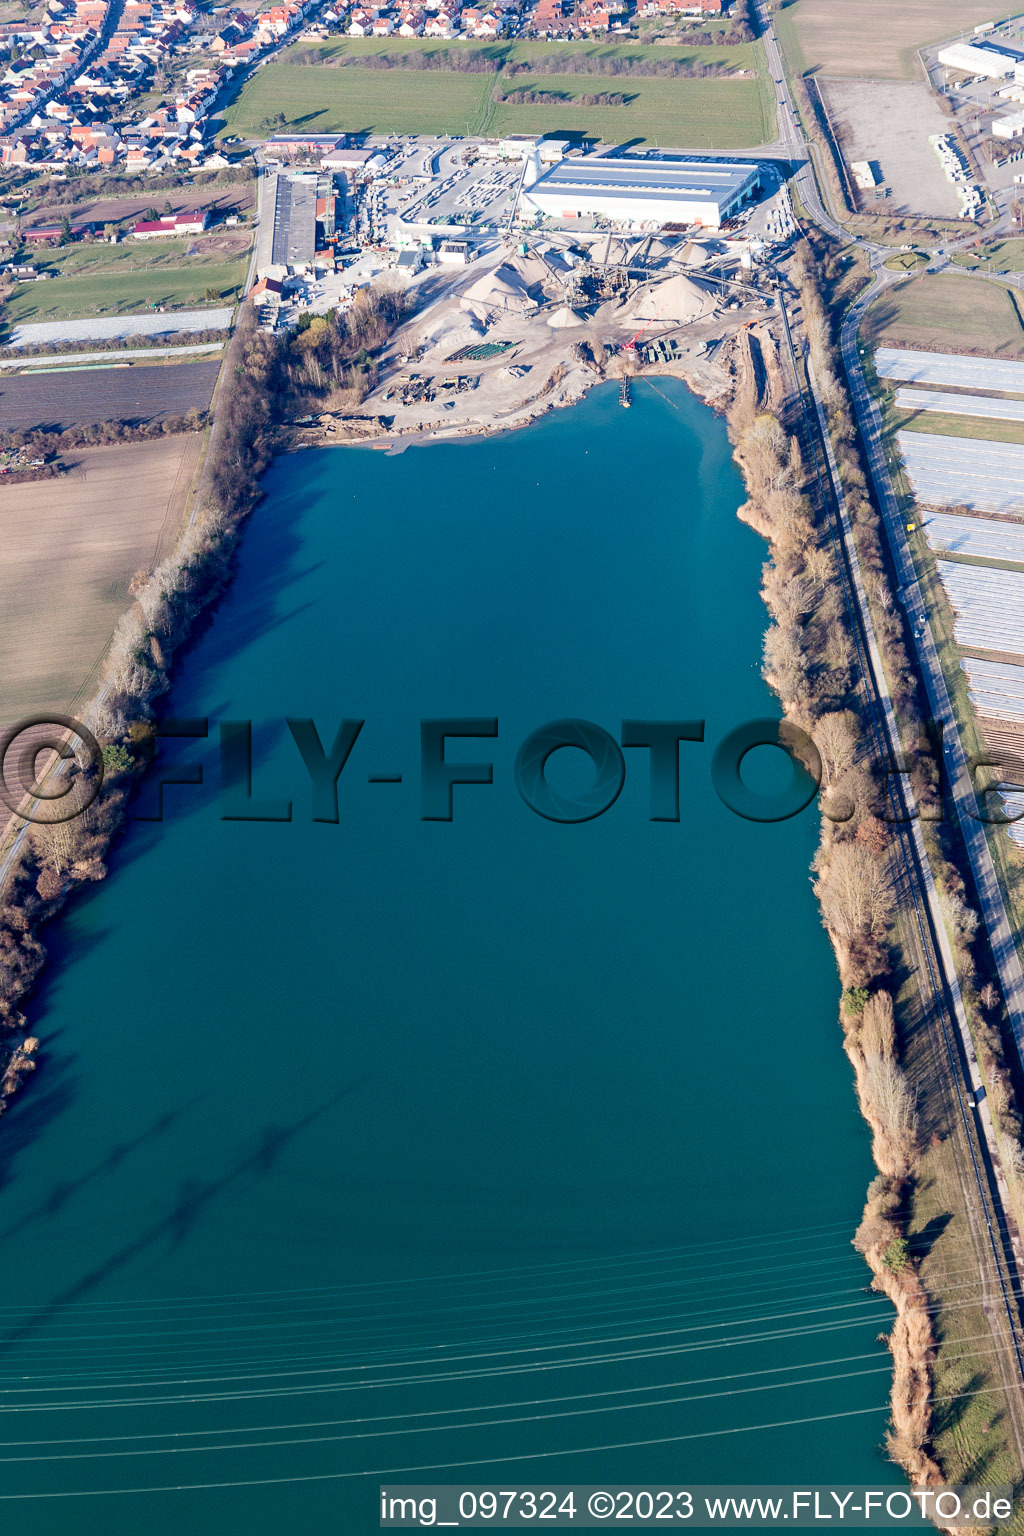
{"x":790,"y":136}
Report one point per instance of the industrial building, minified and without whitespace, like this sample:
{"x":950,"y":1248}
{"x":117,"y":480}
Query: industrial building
{"x":291,"y":206}
{"x":1009,"y":126}
{"x":631,"y":190}
{"x":992,"y":60}
{"x":290,"y":144}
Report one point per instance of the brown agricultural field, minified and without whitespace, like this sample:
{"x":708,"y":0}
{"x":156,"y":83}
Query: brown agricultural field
{"x":77,"y":397}
{"x":875,"y":37}
{"x":111,"y":210}
{"x":71,"y":546}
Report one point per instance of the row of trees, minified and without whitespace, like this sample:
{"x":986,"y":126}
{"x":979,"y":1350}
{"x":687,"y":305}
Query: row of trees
{"x":547,"y":98}
{"x":45,"y":444}
{"x":886,"y":1101}
{"x":460,"y":61}
{"x":811,"y":662}
{"x":619,"y":65}
{"x":946,"y":854}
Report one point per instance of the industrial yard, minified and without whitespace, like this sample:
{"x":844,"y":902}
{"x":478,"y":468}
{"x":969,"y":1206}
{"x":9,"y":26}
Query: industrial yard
{"x":536,"y":331}
{"x":888,"y":125}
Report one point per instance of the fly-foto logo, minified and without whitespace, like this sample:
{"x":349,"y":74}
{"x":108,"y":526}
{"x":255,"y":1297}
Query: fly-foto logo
{"x":52,"y":768}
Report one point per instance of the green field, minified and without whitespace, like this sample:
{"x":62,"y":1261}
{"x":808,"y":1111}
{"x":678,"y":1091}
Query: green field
{"x":1000,"y":256}
{"x":119,"y":292}
{"x":678,"y":111}
{"x":95,"y":259}
{"x":683,"y":114}
{"x":316,"y":97}
{"x":940,"y":425}
{"x":942,"y":312}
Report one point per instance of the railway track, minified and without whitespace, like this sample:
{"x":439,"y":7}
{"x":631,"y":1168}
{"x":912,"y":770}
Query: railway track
{"x":975,"y":1150}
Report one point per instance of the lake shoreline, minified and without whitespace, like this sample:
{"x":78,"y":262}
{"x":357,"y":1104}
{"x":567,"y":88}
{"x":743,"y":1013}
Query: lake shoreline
{"x":21,"y":1060}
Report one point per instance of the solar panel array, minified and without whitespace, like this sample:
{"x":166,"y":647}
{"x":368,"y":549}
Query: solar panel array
{"x":996,"y":687}
{"x":963,"y":471}
{"x":949,"y":368}
{"x":960,"y":405}
{"x":980,"y":536}
{"x":989,"y":606}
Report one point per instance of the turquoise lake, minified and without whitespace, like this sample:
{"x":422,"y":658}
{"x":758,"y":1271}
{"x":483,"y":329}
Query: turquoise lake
{"x":493,"y":1150}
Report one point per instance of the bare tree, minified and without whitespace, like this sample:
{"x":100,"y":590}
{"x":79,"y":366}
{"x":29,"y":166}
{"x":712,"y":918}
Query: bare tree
{"x":835,"y":737}
{"x":57,"y":843}
{"x":961,"y":918}
{"x":891,"y":1104}
{"x":855,"y":891}
{"x":876,"y":1031}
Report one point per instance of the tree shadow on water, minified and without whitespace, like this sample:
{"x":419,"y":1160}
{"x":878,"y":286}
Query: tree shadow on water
{"x":195,"y":1200}
{"x":52,"y":1202}
{"x":34,"y":1110}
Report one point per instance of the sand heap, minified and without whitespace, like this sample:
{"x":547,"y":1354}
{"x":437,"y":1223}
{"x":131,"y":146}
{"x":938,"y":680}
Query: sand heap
{"x":694,"y":254}
{"x":609,"y":252}
{"x":677,"y":301}
{"x":564,"y":318}
{"x":501,"y":292}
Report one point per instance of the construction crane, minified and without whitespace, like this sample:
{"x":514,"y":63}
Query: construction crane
{"x":630,"y":346}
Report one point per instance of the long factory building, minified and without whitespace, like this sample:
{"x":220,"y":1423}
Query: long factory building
{"x":631,"y":190}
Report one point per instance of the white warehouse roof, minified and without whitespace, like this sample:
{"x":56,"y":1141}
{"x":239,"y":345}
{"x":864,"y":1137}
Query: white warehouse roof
{"x":627,"y":187}
{"x":989,"y":59}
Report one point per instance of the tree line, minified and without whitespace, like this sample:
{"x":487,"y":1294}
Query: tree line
{"x":587,"y":99}
{"x":581,"y":62}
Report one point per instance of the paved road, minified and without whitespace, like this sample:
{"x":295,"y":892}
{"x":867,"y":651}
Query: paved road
{"x":791,"y":138}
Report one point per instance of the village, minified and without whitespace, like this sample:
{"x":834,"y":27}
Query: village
{"x":131,"y":85}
